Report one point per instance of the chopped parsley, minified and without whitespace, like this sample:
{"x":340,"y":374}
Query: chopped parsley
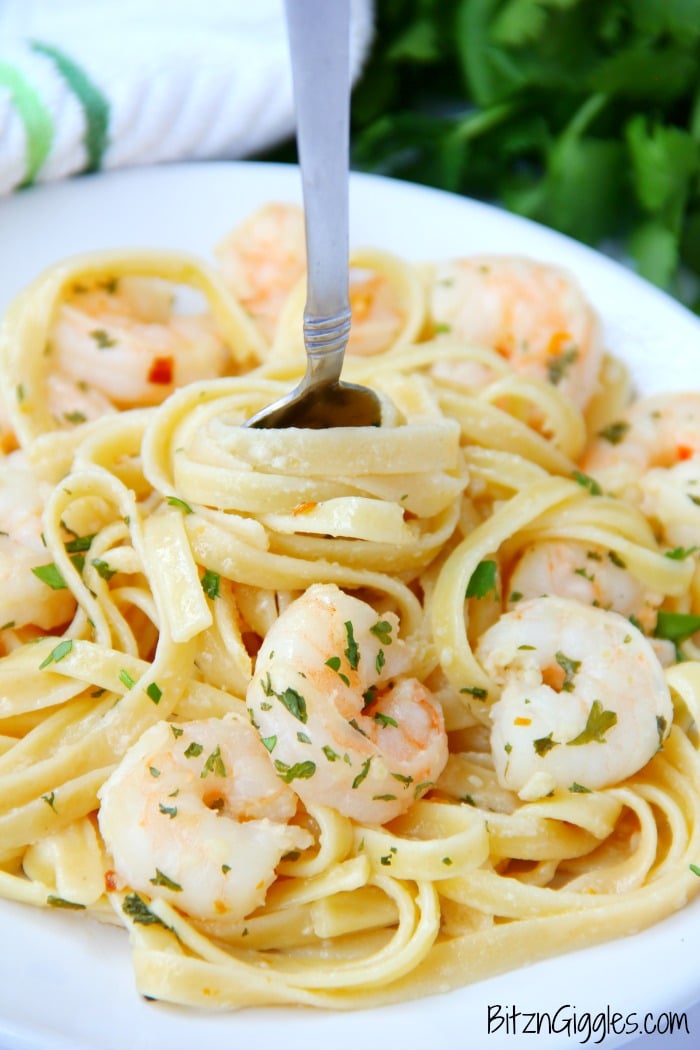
{"x":154,"y":692}
{"x":174,"y":501}
{"x":598,"y":723}
{"x":214,"y":765}
{"x":476,"y":691}
{"x":587,"y":482}
{"x":560,"y":365}
{"x":482,"y":580}
{"x":61,"y":902}
{"x":103,"y":339}
{"x":294,"y":702}
{"x":58,"y":653}
{"x":362,"y":775}
{"x":51,"y":575}
{"x":126,"y":679}
{"x":615,"y":432}
{"x":103,"y":569}
{"x":382,"y":631}
{"x":211,"y":584}
{"x":161,"y":879}
{"x":570,"y":668}
{"x":138,"y":911}
{"x":352,"y":652}
{"x":544,"y":744}
{"x":299,"y":771}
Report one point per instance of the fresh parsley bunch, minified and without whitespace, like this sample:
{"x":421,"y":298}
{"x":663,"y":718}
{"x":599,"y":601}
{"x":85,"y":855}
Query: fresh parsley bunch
{"x":581,"y":114}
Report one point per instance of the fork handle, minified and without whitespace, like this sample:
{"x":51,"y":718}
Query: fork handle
{"x":319,"y":44}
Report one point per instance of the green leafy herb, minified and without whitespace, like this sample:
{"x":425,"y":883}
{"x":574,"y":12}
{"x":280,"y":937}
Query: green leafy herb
{"x":61,"y":902}
{"x":294,"y":702}
{"x":676,"y":627}
{"x":560,"y":364}
{"x":587,"y":482}
{"x":597,"y":725}
{"x":582,"y":116}
{"x":180,"y":504}
{"x":385,"y":720}
{"x":58,"y":653}
{"x":80,"y":544}
{"x":579,"y":789}
{"x":103,"y":568}
{"x":614,"y":432}
{"x":382,"y":631}
{"x":154,"y":692}
{"x":483,"y":580}
{"x":352,"y":652}
{"x":544,"y":744}
{"x":570,"y":668}
{"x":170,"y":811}
{"x":193,"y":750}
{"x":211,"y":584}
{"x":126,"y":679}
{"x":476,"y":691}
{"x":299,"y":771}
{"x":139,"y":912}
{"x":214,"y":765}
{"x":103,"y":339}
{"x":362,"y":775}
{"x":334,"y":662}
{"x":161,"y":879}
{"x":50,"y":575}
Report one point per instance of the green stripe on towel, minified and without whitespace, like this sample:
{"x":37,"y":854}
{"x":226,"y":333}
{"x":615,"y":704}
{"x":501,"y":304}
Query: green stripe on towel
{"x":95,"y":104}
{"x":38,"y":125}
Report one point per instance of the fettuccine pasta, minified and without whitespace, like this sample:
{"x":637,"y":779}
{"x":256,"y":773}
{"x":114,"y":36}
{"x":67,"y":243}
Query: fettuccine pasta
{"x":342,"y":717}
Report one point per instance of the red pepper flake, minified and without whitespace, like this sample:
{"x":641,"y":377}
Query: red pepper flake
{"x":161,"y":371}
{"x":522,"y":721}
{"x":110,"y":881}
{"x":305,"y":508}
{"x":685,"y":452}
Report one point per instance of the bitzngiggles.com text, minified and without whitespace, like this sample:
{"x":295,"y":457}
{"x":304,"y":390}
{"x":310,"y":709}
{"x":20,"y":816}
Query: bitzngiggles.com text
{"x":584,"y":1026}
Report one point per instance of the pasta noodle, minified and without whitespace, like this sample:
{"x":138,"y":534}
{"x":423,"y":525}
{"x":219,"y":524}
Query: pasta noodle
{"x":169,"y":759}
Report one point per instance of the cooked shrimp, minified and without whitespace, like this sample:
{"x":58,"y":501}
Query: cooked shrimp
{"x":377,"y":314}
{"x":262,"y":260}
{"x":72,"y":402}
{"x":533,"y":314}
{"x":584,"y":701}
{"x":25,"y":597}
{"x":658,"y":431}
{"x":340,"y":717}
{"x":195,"y":814}
{"x":127,"y":341}
{"x":585,"y":573}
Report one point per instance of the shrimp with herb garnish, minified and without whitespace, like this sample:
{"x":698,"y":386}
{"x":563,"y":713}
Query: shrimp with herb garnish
{"x":584,"y":699}
{"x":195,"y":814}
{"x":341,"y":717}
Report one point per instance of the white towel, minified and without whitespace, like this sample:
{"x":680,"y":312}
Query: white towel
{"x":100,"y":84}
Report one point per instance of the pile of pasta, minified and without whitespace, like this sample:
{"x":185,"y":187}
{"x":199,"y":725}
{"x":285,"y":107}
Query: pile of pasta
{"x":180,"y":535}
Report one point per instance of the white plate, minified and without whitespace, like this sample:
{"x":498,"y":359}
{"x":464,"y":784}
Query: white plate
{"x":66,"y":982}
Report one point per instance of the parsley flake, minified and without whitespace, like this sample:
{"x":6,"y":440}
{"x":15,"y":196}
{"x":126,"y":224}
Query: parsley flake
{"x":597,"y":725}
{"x":482,"y":580}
